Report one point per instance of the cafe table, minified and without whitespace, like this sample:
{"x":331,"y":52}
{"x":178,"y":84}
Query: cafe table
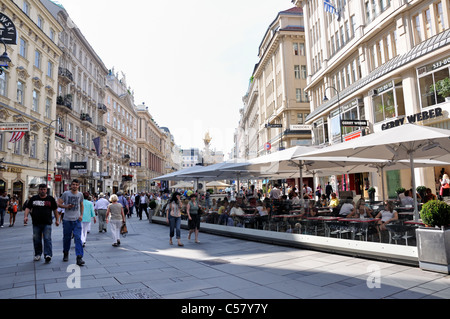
{"x":314,"y":221}
{"x":414,"y":222}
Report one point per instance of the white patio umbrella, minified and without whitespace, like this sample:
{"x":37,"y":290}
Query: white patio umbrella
{"x":405,"y":142}
{"x":183,"y":184}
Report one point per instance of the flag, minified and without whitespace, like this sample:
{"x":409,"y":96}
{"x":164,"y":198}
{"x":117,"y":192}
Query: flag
{"x":97,"y":145}
{"x":16,"y":136}
{"x":330,"y":8}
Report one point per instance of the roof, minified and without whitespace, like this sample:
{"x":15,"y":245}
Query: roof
{"x":295,"y":10}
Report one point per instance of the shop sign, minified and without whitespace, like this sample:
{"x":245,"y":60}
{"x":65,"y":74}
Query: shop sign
{"x":300,"y":127}
{"x":8,"y":34}
{"x":58,"y":178}
{"x":354,"y":123}
{"x":78,"y":165}
{"x":418,"y":117}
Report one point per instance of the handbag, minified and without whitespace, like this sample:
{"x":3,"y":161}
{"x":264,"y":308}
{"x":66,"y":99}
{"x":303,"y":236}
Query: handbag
{"x":124,"y":229}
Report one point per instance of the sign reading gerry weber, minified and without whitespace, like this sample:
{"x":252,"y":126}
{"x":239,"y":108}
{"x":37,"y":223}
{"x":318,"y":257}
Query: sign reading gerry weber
{"x":418,"y":117}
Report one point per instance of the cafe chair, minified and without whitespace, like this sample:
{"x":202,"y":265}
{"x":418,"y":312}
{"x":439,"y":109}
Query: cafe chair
{"x":398,"y":232}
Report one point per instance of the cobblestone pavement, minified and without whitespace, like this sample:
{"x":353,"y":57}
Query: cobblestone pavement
{"x":145,"y":266}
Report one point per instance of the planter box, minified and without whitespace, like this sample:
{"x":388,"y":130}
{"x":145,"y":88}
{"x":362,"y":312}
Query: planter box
{"x":433,"y":248}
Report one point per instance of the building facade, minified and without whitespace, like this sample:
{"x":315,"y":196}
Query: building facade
{"x":121,"y":122}
{"x":80,"y":108}
{"x":377,"y":61}
{"x":28,"y":93}
{"x":151,"y":144}
{"x":276,"y":104}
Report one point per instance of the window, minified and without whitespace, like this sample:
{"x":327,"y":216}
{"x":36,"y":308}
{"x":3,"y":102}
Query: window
{"x":48,"y":108}
{"x":300,"y":118}
{"x":37,"y":59}
{"x":320,"y":130}
{"x":23,"y":48}
{"x":417,"y":29}
{"x":35,"y":105}
{"x":26,"y":8}
{"x":388,"y":102}
{"x":439,"y":17}
{"x":303,"y":71}
{"x":428,"y":76}
{"x":297,"y":71}
{"x":40,"y":22}
{"x":296,"y":50}
{"x":3,"y":84}
{"x":298,"y":95}
{"x":18,"y":147}
{"x":50,"y":69}
{"x":428,"y":27}
{"x":33,"y":142}
{"x":302,"y":49}
{"x":20,"y":92}
{"x":52,"y":34}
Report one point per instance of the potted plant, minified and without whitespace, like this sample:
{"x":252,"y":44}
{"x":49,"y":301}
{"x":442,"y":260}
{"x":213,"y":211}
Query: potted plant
{"x":442,"y":87}
{"x":433,"y":241}
{"x":371,"y":192}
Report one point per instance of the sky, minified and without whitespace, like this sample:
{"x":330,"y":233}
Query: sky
{"x":189,"y":61}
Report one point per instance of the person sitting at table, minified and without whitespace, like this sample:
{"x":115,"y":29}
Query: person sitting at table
{"x":262,"y":209}
{"x":236,"y":210}
{"x":347,"y":208}
{"x":407,"y":200}
{"x":362,"y":210}
{"x":387,"y":215}
{"x":295,"y":200}
{"x":334,"y":201}
{"x":429,"y":195}
{"x":323,"y":201}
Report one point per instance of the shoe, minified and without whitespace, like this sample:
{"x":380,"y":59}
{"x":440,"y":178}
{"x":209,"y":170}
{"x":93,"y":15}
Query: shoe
{"x":170,"y":242}
{"x":48,"y":259}
{"x":37,"y":257}
{"x":180,"y":244}
{"x":66,"y":256}
{"x":84,"y":245}
{"x":118,"y":242}
{"x":115,"y":244}
{"x":80,"y":261}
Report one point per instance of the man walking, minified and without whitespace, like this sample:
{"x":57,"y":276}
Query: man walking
{"x":41,"y":207}
{"x":100,"y":209}
{"x":72,"y":202}
{"x":143,"y":202}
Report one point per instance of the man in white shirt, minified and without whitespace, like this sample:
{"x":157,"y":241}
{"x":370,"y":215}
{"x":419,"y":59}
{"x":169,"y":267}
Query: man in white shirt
{"x":275,"y":193}
{"x":100,"y":210}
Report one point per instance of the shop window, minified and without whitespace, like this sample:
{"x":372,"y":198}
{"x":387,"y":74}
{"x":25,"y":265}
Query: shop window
{"x":388,"y":102}
{"x":428,"y":96}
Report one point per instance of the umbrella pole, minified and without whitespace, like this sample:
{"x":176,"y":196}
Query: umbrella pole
{"x":413,"y":182}
{"x":301,"y":188}
{"x":382,"y":183}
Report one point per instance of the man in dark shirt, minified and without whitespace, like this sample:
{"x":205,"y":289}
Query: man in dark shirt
{"x":41,"y":207}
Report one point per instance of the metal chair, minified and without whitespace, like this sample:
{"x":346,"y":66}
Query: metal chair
{"x":398,"y":232}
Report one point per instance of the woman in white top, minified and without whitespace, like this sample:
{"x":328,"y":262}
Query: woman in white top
{"x":387,"y":215}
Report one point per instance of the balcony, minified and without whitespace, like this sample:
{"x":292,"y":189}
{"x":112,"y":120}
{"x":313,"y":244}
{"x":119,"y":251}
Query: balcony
{"x":102,"y":108}
{"x":102,"y":129}
{"x":65,"y":75}
{"x":126,"y":158}
{"x":64,"y":103}
{"x":85,"y":117}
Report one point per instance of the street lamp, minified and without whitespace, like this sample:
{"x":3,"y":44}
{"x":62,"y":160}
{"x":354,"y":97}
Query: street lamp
{"x":325,"y":99}
{"x":4,"y":59}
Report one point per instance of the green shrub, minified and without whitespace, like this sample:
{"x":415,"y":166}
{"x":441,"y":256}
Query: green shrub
{"x":400,"y":190}
{"x":435,"y":213}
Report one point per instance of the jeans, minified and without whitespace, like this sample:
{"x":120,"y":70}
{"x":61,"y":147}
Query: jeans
{"x":42,"y":232}
{"x":74,"y":227}
{"x":175,"y":224}
{"x":2,"y":216}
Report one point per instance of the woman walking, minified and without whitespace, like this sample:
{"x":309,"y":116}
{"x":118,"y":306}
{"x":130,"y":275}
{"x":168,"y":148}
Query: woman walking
{"x":173,"y":217}
{"x":115,"y":209}
{"x":13,"y":208}
{"x":87,"y":217}
{"x":192,"y":210}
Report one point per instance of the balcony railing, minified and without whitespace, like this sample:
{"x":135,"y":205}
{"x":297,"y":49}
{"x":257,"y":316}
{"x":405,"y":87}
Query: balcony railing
{"x":64,"y":101}
{"x":65,"y":73}
{"x":86,"y":117}
{"x":102,"y":129}
{"x":102,"y":107}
